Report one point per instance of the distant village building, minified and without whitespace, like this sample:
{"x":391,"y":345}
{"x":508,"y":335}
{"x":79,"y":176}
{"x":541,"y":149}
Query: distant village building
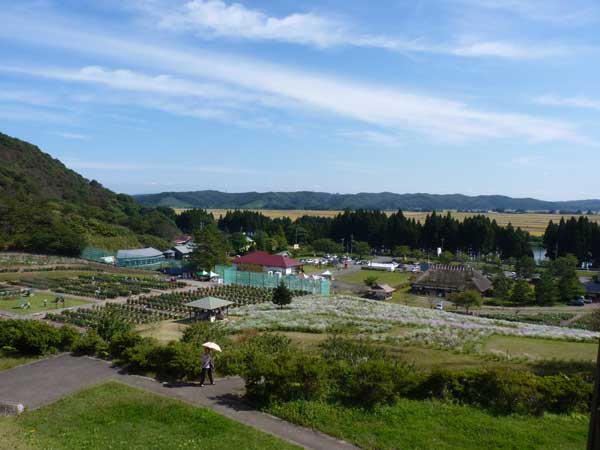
{"x":388,"y":267}
{"x":268,"y":263}
{"x":441,"y":280}
{"x":182,"y":240}
{"x":183,"y":251}
{"x":140,"y":257}
{"x":380,"y":291}
{"x":592,"y":290}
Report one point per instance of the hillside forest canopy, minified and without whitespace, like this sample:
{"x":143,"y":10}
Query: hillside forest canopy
{"x":47,"y":208}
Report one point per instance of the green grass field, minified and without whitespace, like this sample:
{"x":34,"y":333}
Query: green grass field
{"x":392,"y":278}
{"x":8,"y":362}
{"x":426,"y":425}
{"x":542,"y":348}
{"x":118,"y":417}
{"x":37,"y":303}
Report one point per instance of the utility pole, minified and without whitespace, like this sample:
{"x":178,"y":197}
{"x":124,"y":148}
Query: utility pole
{"x":351,"y":239}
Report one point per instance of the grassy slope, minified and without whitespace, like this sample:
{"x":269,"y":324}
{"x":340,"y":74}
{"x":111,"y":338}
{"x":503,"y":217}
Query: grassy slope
{"x":117,"y":417}
{"x":391,"y":278}
{"x":425,"y":425}
{"x":37,"y":303}
{"x":542,"y":348}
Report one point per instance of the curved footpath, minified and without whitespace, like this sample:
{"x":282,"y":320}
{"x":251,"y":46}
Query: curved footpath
{"x":42,"y":382}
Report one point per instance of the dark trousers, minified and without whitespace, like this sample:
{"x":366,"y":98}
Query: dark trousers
{"x":203,"y":375}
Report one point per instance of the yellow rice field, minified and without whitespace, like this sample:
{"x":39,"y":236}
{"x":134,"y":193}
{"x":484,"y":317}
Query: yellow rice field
{"x":533,"y":223}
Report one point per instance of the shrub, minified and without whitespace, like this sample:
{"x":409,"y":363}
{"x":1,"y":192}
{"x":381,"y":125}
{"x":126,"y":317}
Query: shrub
{"x":142,"y":356}
{"x":201,"y":332}
{"x":29,"y":337}
{"x":368,"y":383}
{"x":68,"y":336}
{"x":91,"y":344}
{"x":120,"y":343}
{"x":179,"y":360}
{"x":110,"y":325}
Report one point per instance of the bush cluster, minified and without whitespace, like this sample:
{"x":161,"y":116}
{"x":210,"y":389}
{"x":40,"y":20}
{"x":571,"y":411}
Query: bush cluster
{"x":32,"y":337}
{"x":359,"y":374}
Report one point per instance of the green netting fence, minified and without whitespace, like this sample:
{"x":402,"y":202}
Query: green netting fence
{"x":230,"y":275}
{"x":95,"y":254}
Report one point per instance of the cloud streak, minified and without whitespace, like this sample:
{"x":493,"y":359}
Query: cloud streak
{"x":571,"y":102}
{"x":217,"y":19}
{"x":390,"y":108}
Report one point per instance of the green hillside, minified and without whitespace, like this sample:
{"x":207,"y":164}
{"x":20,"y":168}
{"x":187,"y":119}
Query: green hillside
{"x":46,"y":207}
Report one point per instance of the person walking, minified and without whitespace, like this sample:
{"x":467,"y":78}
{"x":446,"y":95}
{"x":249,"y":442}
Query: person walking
{"x":207,"y":366}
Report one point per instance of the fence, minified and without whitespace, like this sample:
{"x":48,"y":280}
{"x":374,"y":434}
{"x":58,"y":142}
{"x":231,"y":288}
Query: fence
{"x":260,"y":279}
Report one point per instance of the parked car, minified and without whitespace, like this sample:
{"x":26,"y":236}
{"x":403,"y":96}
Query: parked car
{"x":440,"y":306}
{"x":577,"y":302}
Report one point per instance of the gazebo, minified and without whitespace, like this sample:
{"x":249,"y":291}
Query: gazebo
{"x":209,"y":308}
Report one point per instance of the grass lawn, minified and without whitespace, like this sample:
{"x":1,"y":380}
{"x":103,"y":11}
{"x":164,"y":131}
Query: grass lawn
{"x":425,"y":425}
{"x":165,"y":330}
{"x":392,"y":278}
{"x":542,"y":348}
{"x":8,"y":362}
{"x":37,"y":303}
{"x":118,"y":417}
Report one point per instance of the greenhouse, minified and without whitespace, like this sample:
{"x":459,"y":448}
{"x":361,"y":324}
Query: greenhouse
{"x":141,"y":257}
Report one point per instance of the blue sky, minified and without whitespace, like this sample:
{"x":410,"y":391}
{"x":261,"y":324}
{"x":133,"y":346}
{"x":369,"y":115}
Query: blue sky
{"x":439,"y":96}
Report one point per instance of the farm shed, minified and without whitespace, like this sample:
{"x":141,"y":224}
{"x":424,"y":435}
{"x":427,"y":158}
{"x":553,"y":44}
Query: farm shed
{"x":140,"y":257}
{"x":209,"y":308}
{"x":381,"y":291}
{"x":441,"y":280}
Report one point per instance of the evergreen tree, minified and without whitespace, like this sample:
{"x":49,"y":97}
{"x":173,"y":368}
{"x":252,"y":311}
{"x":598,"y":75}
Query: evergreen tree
{"x":546,"y":291}
{"x":525,"y":267}
{"x":521,"y":293}
{"x":211,"y":248}
{"x":282,"y":295}
{"x":502,"y":287}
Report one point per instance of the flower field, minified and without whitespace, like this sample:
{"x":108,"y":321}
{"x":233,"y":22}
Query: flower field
{"x":432,"y":327}
{"x":148,"y":309}
{"x":102,"y":285}
{"x":89,"y":316}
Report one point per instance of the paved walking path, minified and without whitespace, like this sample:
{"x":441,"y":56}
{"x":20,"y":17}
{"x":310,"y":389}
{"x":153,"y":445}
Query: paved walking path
{"x":42,"y":382}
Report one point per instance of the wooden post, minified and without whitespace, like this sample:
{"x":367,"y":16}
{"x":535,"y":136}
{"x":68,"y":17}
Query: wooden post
{"x":594,"y":431}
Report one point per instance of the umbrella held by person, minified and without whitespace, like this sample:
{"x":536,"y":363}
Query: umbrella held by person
{"x":208,"y":362}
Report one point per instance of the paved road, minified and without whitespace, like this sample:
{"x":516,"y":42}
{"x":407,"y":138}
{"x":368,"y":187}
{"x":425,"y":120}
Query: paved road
{"x":45,"y":381}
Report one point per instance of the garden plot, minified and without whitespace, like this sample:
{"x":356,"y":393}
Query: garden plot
{"x":432,"y":327}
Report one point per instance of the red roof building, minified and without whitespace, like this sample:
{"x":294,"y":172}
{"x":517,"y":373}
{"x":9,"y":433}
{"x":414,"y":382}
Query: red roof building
{"x":269,"y":263}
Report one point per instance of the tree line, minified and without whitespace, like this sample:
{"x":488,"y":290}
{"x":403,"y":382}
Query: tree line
{"x":575,"y":236}
{"x":361,"y":231}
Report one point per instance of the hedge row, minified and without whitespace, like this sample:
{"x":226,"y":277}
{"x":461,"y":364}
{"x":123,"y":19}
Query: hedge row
{"x":32,"y":337}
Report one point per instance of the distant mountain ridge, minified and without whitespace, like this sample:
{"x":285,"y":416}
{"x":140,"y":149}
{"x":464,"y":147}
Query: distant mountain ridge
{"x":384,"y":201}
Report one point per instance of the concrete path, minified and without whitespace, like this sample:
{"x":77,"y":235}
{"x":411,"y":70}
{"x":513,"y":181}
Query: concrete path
{"x":42,"y":382}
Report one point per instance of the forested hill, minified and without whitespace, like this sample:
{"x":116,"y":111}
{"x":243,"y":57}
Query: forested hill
{"x":382,"y":201}
{"x":46,"y":207}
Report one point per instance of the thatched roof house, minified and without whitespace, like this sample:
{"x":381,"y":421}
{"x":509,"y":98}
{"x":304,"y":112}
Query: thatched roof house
{"x":381,"y":291}
{"x":444,"y":279}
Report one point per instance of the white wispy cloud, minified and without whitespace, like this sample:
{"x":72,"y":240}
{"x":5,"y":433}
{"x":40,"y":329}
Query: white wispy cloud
{"x":390,"y":108}
{"x":216,"y":18}
{"x":574,"y":12}
{"x":373,"y":137}
{"x":136,"y":167}
{"x":571,"y":102}
{"x":73,"y":136}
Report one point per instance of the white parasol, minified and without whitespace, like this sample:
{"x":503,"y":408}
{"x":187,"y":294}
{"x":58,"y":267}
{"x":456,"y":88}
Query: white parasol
{"x":212,"y":346}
